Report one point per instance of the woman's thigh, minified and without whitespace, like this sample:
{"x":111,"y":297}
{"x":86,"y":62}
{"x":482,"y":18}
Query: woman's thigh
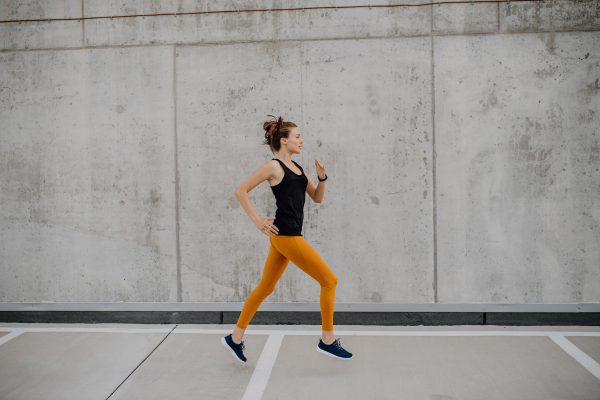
{"x":300,"y":252}
{"x":275,"y":265}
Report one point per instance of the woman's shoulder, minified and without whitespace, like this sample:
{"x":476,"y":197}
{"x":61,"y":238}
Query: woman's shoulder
{"x":272,"y":166}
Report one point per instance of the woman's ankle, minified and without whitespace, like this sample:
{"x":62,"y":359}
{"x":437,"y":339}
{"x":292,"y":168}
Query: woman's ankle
{"x":327,"y":337}
{"x":238,"y":334}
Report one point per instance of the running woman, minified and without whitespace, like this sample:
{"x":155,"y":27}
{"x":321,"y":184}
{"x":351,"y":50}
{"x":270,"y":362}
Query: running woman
{"x":288,"y":183}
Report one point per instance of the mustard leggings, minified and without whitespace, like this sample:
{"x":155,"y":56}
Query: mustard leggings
{"x":294,"y":248}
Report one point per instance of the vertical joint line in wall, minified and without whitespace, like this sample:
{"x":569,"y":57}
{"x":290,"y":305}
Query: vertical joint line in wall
{"x":221,"y":318}
{"x":176,"y":165}
{"x":302,"y":100}
{"x":433,"y":166}
{"x":82,"y":24}
{"x":498,"y":5}
{"x":302,"y":90}
{"x":484,"y":318}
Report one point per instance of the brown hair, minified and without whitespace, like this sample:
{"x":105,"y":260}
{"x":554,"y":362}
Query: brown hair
{"x":275,"y":130}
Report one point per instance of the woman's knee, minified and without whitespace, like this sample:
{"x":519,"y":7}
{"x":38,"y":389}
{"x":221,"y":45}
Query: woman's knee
{"x":331,"y":281}
{"x":265,"y":289}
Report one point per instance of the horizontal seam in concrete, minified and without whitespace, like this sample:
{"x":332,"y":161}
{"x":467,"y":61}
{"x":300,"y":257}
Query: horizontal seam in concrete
{"x":300,"y":307}
{"x":294,"y":40}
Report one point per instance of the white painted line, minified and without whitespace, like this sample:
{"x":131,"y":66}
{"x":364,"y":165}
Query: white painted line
{"x":11,"y":335}
{"x":586,"y":361}
{"x":317,"y":332}
{"x":111,"y":330}
{"x":390,"y":333}
{"x":262,"y":372}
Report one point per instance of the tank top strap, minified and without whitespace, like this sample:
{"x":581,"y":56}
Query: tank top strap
{"x":281,"y":163}
{"x":298,"y":165}
{"x":288,"y":168}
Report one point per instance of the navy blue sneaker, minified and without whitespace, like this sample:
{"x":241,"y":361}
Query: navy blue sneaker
{"x":334,"y":350}
{"x":234,"y":348}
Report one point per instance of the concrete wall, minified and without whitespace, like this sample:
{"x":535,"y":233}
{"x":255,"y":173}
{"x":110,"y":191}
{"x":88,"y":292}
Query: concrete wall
{"x":461,"y":144}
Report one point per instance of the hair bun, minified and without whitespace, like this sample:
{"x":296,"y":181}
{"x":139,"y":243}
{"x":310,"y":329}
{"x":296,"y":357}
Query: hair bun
{"x":270,"y":129}
{"x":276,"y":129}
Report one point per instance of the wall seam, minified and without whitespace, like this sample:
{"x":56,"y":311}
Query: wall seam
{"x":176,"y":167}
{"x":293,"y":40}
{"x":175,"y":307}
{"x":302,"y":99}
{"x":433,"y":168}
{"x":498,"y":8}
{"x":82,"y":24}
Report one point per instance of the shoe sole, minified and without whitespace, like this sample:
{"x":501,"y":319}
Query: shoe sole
{"x":332,"y":355}
{"x":224,"y":342}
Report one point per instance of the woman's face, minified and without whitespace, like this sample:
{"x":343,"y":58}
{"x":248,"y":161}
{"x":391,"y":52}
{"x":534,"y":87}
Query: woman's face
{"x":294,"y":141}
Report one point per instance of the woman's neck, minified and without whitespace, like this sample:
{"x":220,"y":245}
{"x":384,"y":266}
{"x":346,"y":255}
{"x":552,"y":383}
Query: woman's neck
{"x":286,"y":158}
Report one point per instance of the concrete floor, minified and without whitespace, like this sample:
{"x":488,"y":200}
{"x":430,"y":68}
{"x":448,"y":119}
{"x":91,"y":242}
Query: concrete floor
{"x":118,"y":361}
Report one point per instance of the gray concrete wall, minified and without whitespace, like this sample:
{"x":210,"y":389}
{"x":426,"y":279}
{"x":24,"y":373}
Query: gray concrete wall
{"x":461,"y":144}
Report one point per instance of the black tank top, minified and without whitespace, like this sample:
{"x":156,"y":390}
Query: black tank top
{"x":290,"y":195}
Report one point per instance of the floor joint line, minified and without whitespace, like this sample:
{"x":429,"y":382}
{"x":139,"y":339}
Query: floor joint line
{"x":117,"y":388}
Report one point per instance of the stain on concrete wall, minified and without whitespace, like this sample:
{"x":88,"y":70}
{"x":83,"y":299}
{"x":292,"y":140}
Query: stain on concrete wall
{"x":518,"y":185}
{"x":86,"y":176}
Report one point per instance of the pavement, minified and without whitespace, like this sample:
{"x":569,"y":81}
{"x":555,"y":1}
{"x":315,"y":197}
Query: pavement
{"x":134,"y":361}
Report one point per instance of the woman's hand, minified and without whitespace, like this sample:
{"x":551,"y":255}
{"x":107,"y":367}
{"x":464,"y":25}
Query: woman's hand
{"x":320,"y":169}
{"x":266,"y":227}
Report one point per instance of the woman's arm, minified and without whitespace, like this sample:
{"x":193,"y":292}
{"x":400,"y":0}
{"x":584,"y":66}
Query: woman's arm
{"x":264,"y":172}
{"x":316,"y":192}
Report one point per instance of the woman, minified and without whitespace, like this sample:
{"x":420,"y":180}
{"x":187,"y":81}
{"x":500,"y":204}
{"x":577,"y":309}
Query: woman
{"x":288,"y":183}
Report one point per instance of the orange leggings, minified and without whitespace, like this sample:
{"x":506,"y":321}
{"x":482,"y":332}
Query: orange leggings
{"x":294,"y":248}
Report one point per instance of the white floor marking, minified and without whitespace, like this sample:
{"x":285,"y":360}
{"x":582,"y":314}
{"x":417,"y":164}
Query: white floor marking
{"x":264,"y":366}
{"x":586,"y":361}
{"x":111,"y":330}
{"x":221,"y":331}
{"x":12,"y":335}
{"x":265,"y":363}
{"x":391,"y":333}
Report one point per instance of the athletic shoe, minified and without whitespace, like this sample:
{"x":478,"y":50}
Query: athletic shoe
{"x":334,"y":350}
{"x":234,"y":348}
